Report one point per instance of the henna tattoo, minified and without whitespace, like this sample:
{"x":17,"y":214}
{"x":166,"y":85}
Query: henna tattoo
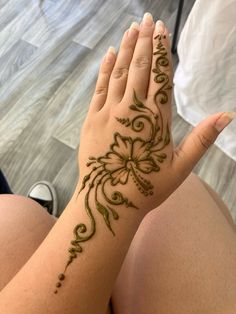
{"x":129,"y":158}
{"x":161,"y":77}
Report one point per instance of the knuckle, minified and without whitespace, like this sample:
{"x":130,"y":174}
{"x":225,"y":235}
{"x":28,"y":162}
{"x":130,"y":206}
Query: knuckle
{"x":202,"y":140}
{"x":119,"y":72}
{"x":179,"y":152}
{"x":101,"y":90}
{"x":145,"y":33}
{"x":142,"y":62}
{"x":105,"y":70}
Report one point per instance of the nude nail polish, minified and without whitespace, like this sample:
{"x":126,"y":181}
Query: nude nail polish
{"x":160,"y":26}
{"x":110,"y":54}
{"x":224,"y":120}
{"x":133,"y":30}
{"x":148,"y":19}
{"x":135,"y":26}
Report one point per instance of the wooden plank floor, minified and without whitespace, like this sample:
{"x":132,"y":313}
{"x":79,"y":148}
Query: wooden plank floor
{"x":49,"y":58}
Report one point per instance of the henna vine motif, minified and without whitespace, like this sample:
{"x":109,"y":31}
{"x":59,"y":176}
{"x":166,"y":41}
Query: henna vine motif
{"x":128,"y":158}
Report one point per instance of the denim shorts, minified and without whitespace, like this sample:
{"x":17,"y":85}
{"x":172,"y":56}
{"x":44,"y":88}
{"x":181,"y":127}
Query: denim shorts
{"x":4,"y":186}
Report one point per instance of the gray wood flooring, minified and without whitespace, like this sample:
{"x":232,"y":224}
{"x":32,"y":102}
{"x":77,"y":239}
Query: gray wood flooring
{"x":49,"y":58}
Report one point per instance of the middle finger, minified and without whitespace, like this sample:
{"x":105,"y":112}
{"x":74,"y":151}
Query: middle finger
{"x":139,"y":71}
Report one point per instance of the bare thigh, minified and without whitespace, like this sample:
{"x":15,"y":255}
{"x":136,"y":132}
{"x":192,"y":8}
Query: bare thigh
{"x":24,"y":224}
{"x":182,"y":258}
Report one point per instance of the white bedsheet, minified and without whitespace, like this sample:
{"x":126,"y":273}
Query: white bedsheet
{"x":205,"y":79}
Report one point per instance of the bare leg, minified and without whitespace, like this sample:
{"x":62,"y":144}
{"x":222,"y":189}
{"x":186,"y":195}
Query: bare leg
{"x":182,"y":258}
{"x":220,"y":203}
{"x":23,"y":226}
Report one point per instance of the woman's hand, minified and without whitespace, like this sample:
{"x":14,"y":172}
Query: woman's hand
{"x":126,"y":154}
{"x":127,"y":161}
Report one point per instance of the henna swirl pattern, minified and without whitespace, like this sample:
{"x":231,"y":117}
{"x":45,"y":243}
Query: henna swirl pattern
{"x":129,"y":158}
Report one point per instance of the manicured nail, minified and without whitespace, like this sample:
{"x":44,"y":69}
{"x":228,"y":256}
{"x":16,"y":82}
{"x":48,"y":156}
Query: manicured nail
{"x":111,"y":49}
{"x":134,"y":28}
{"x":134,"y":25}
{"x":224,"y":120}
{"x":110,"y":54}
{"x":160,"y":26}
{"x":148,"y":19}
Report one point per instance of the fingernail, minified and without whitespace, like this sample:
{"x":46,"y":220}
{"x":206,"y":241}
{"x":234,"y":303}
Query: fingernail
{"x":134,"y":25}
{"x":134,"y":28}
{"x":148,"y":19}
{"x":224,"y":120}
{"x":110,"y":54}
{"x":160,"y":26}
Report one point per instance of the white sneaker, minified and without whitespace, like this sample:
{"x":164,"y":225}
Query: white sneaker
{"x":45,"y":194}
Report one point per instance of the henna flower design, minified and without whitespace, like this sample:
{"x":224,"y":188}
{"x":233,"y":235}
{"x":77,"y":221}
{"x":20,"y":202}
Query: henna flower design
{"x":129,"y":157}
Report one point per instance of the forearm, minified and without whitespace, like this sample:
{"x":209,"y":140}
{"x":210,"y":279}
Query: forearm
{"x":89,"y":278}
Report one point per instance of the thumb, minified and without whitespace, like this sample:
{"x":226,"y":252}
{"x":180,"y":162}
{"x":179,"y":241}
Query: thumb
{"x":194,"y":146}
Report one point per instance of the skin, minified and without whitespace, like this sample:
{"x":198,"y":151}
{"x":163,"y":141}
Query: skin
{"x":184,"y":213}
{"x":148,"y":123}
{"x":118,"y":78}
{"x":182,"y":259}
{"x":129,"y":158}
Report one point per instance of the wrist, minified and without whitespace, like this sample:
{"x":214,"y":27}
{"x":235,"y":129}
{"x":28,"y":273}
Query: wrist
{"x":113,"y":211}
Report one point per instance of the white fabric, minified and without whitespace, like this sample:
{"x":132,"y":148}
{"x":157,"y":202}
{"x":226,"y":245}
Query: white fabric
{"x":205,"y":79}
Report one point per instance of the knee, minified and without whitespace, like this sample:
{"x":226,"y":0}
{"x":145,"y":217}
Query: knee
{"x":22,"y":210}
